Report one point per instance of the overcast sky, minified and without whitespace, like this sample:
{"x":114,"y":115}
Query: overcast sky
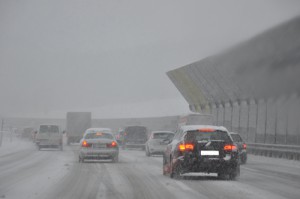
{"x":111,"y":56}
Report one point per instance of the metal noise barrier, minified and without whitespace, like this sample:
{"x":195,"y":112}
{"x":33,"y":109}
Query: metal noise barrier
{"x":291,"y":152}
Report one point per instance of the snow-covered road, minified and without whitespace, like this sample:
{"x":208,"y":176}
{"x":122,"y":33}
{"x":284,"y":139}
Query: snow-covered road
{"x":26,"y":172}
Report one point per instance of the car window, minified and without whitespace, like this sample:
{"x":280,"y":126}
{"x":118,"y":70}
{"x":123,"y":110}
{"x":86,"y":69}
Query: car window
{"x":163,"y":135}
{"x":98,"y":135}
{"x":49,"y":129}
{"x":207,"y":136}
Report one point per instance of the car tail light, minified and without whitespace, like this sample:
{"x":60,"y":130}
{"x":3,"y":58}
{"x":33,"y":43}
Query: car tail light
{"x":85,"y":144}
{"x":244,"y":146}
{"x":230,"y":147}
{"x":186,"y":147}
{"x":206,"y":130}
{"x":112,"y":144}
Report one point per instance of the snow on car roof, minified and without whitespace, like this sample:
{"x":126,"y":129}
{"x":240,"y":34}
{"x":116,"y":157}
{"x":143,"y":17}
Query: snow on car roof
{"x":162,"y":132}
{"x":196,"y":127}
{"x":99,"y":129}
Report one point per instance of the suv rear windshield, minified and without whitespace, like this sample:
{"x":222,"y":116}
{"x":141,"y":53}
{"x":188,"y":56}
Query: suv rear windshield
{"x":163,"y":135}
{"x":207,"y":136}
{"x":49,"y":129}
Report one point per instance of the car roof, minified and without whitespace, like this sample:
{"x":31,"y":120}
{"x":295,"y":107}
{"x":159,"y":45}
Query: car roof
{"x":162,"y":132}
{"x":196,"y":127}
{"x":98,"y":129}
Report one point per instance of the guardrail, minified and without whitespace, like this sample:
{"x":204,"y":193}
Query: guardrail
{"x":291,"y":152}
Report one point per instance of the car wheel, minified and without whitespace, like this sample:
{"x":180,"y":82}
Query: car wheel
{"x":175,"y":170}
{"x":243,"y":159}
{"x":164,"y":164}
{"x":115,"y":159}
{"x":147,"y":152}
{"x":234,"y":173}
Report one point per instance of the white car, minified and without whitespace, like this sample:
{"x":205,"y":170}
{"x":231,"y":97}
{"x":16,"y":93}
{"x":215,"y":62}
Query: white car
{"x":49,"y":136}
{"x":98,"y":143}
{"x":157,"y":142}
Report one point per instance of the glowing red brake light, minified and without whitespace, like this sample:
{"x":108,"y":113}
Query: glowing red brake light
{"x":230,"y":147}
{"x":186,"y":147}
{"x":85,"y":144}
{"x":112,"y":144}
{"x":244,"y":146}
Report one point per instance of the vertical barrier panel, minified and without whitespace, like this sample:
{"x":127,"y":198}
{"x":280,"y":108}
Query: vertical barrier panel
{"x":282,"y":107}
{"x":252,"y":121}
{"x":271,"y":121}
{"x":214,"y":112}
{"x":293,"y":119}
{"x":220,"y":115}
{"x":227,"y":119}
{"x":243,"y":119}
{"x":260,"y":128}
{"x":235,"y":117}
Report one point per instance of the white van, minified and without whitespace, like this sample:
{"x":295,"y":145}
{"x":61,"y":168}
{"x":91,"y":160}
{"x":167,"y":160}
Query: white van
{"x":49,"y":136}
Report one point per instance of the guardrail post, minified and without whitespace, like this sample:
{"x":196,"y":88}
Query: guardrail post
{"x":231,"y":121}
{"x":217,"y":107}
{"x":248,"y":119}
{"x":276,"y":122}
{"x":256,"y":124}
{"x":266,"y":121}
{"x":1,"y":136}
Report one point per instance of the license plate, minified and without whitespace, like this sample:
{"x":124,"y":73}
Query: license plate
{"x":99,"y":145}
{"x":209,"y":153}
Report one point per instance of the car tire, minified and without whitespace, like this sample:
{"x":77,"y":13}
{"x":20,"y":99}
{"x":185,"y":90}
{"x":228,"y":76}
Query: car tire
{"x":243,"y":159}
{"x":115,"y":159}
{"x":234,"y":173}
{"x":147,"y":152}
{"x":163,"y":165}
{"x":175,"y":170}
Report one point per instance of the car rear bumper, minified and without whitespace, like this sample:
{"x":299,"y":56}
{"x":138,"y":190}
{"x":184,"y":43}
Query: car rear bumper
{"x":207,"y":164}
{"x":98,"y":154}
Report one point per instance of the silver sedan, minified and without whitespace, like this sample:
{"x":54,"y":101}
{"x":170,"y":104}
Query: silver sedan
{"x":98,"y":143}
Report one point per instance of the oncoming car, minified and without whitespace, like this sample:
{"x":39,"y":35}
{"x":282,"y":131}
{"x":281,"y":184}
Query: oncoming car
{"x":156,"y":143}
{"x":242,"y":146}
{"x":98,"y":143}
{"x":205,"y":149}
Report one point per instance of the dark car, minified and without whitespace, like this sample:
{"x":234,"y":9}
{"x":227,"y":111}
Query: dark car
{"x":135,"y":137}
{"x":120,"y":137}
{"x":205,"y":149}
{"x":242,"y":147}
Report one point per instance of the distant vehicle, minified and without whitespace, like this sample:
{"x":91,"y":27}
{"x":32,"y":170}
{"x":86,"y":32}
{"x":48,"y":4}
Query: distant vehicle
{"x":120,"y":137}
{"x":76,"y":124}
{"x":242,"y":147}
{"x":135,"y":137}
{"x":195,"y":119}
{"x":156,"y":143}
{"x":199,"y":148}
{"x":97,"y":144}
{"x":28,"y":133}
{"x":49,"y":136}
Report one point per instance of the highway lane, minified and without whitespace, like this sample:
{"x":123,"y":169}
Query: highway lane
{"x":54,"y":174}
